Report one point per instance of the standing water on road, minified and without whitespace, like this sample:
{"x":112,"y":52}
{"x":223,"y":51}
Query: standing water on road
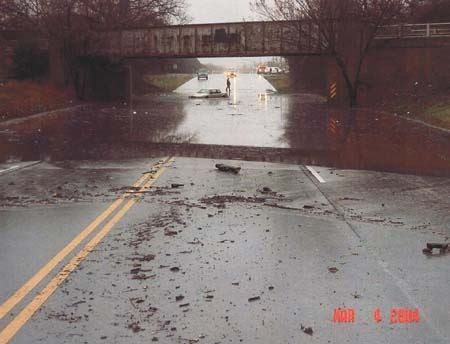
{"x":300,"y":127}
{"x":250,"y":117}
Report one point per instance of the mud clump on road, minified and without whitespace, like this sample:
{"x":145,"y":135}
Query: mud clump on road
{"x":135,"y":327}
{"x":266,"y":190}
{"x":307,"y":330}
{"x":220,"y":200}
{"x":143,"y":233}
{"x":125,"y":189}
{"x":333,"y":270}
{"x":65,"y":317}
{"x":228,"y":168}
{"x":442,"y":247}
{"x":143,"y":258}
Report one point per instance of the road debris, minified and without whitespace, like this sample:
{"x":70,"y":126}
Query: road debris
{"x":226,"y":240}
{"x":76,"y":304}
{"x":142,"y":277}
{"x":190,"y":341}
{"x":135,"y":327}
{"x":442,"y":247}
{"x":138,"y":269}
{"x":196,"y":241}
{"x":176,"y":185}
{"x":143,"y":258}
{"x":254,"y":298}
{"x":228,"y":168}
{"x":307,"y":330}
{"x":169,"y":232}
{"x":266,"y":189}
{"x":333,"y":269}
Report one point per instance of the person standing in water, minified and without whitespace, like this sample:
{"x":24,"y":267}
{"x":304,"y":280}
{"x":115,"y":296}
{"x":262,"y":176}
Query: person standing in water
{"x":228,"y":89}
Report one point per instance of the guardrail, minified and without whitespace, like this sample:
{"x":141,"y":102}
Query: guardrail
{"x":430,"y":30}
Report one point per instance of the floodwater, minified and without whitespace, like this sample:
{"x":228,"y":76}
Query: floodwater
{"x":252,"y":116}
{"x":298,"y":125}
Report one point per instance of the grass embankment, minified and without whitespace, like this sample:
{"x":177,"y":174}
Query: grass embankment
{"x":434,"y":110}
{"x":166,"y":82}
{"x":24,"y":98}
{"x":281,"y":82}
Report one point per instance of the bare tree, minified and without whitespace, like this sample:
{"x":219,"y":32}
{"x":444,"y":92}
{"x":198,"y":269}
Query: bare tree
{"x":345,"y":29}
{"x":68,"y":24}
{"x":134,"y":13}
{"x":45,"y":14}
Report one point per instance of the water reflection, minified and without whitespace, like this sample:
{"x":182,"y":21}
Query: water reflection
{"x":89,"y":133}
{"x":301,"y":124}
{"x":365,"y":139}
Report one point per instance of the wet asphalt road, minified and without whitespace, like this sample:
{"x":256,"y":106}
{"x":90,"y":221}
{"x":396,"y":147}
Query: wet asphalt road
{"x":225,"y":258}
{"x":181,"y":265}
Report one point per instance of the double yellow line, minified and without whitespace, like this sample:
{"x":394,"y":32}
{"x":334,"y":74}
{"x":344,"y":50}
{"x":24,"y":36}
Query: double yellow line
{"x":21,"y":319}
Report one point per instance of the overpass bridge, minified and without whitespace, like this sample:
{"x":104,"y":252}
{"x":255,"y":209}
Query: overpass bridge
{"x":274,"y":38}
{"x":263,"y":38}
{"x":401,"y":52}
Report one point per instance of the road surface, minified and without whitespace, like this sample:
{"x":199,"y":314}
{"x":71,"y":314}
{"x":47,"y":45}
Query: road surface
{"x":169,"y":249}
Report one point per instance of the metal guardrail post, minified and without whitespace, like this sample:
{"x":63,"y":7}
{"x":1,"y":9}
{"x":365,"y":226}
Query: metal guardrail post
{"x":428,"y":30}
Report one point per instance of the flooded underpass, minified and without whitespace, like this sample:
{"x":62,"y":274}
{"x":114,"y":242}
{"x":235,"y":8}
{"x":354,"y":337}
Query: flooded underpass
{"x":255,"y":123}
{"x":118,"y":226}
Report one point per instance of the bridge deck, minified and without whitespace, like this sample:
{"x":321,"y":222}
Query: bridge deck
{"x":210,"y":40}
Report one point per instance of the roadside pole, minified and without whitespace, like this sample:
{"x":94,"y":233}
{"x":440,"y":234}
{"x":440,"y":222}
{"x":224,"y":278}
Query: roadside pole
{"x":130,"y":86}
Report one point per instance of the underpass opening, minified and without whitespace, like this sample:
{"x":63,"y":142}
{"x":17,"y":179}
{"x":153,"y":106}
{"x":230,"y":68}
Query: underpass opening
{"x":254,"y":122}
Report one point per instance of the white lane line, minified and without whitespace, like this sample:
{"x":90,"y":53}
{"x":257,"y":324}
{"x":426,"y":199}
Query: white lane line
{"x":19,"y":167}
{"x":315,"y":174}
{"x":9,"y":169}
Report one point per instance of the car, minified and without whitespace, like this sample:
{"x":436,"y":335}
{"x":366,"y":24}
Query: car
{"x":231,"y":74}
{"x":275,"y":70}
{"x":202,"y":74}
{"x":261,"y":69}
{"x":209,"y":93}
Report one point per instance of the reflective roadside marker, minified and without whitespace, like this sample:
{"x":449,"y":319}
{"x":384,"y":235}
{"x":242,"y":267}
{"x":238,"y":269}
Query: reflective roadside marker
{"x":333,"y":90}
{"x":333,"y":124}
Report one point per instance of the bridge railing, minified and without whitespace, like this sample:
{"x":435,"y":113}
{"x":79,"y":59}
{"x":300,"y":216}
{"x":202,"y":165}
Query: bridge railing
{"x":430,"y":30}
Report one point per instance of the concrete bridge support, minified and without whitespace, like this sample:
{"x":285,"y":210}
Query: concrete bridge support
{"x":309,"y":72}
{"x":414,"y":69}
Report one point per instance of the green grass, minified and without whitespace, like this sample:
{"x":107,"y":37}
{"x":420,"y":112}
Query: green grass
{"x":435,"y":111}
{"x":281,"y":82}
{"x":166,"y":82}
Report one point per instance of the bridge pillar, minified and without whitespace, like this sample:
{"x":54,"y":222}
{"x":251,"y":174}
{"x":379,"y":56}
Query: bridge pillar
{"x":309,"y":72}
{"x":412,"y":71}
